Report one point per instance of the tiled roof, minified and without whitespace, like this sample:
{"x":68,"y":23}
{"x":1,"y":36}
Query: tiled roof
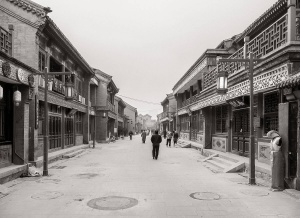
{"x":293,"y":81}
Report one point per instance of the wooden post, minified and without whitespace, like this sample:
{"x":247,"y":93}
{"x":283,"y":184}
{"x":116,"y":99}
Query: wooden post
{"x":291,"y":36}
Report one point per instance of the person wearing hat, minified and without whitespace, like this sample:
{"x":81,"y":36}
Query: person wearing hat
{"x":277,"y":161}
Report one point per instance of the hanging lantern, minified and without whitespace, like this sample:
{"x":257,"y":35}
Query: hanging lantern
{"x":1,"y":92}
{"x":69,"y":91}
{"x":104,"y":115}
{"x":222,"y":82}
{"x":17,"y":97}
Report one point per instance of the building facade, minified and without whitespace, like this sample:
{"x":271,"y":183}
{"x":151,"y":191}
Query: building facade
{"x":119,"y":107}
{"x":221,"y":122}
{"x":167,"y":119}
{"x":42,"y":46}
{"x":131,"y":114}
{"x":106,"y":114}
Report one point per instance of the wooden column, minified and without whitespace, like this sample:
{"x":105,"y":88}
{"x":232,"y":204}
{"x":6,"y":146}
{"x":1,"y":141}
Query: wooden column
{"x":291,"y":36}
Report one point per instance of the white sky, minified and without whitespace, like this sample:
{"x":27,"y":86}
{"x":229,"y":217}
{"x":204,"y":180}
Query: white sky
{"x":148,"y":45}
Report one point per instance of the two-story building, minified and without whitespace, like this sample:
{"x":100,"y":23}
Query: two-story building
{"x":167,"y":119}
{"x":131,"y":114}
{"x":33,"y":39}
{"x":119,"y":107}
{"x":106,"y":115}
{"x":221,"y":121}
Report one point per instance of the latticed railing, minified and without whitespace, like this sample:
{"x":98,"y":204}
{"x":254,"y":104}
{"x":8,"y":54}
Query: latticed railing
{"x":267,"y":41}
{"x":270,"y":39}
{"x":5,"y":41}
{"x":190,"y":100}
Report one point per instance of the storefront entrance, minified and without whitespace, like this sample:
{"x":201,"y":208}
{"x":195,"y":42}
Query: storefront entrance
{"x":6,"y":126}
{"x":69,"y":131}
{"x":241,"y":127}
{"x":194,"y":128}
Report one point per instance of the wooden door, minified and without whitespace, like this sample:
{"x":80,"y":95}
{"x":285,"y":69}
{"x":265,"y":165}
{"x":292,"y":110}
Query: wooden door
{"x":241,"y":127}
{"x":69,"y":131}
{"x":194,"y":127}
{"x":54,"y":132}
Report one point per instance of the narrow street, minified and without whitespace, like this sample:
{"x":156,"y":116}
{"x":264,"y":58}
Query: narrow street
{"x":154,"y":188}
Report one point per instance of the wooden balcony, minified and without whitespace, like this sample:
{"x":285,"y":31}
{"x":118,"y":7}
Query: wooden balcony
{"x":271,"y":39}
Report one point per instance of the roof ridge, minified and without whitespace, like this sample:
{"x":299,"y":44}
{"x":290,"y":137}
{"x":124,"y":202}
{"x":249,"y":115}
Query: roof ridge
{"x":31,"y":6}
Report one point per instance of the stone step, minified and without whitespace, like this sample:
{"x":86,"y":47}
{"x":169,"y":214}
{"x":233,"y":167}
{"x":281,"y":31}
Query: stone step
{"x":232,"y":160}
{"x":216,"y":164}
{"x":184,"y":144}
{"x":73,"y":154}
{"x":222,"y":161}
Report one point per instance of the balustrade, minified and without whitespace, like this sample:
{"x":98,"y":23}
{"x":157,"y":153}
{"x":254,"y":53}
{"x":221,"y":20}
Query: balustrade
{"x":267,"y":41}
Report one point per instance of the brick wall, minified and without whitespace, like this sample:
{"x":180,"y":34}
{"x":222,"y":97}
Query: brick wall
{"x":25,"y":46}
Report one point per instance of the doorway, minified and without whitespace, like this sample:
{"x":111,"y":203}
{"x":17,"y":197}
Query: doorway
{"x":240,"y":136}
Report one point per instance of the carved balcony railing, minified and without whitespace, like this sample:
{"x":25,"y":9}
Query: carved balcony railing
{"x":267,"y":41}
{"x":5,"y":41}
{"x":191,"y":100}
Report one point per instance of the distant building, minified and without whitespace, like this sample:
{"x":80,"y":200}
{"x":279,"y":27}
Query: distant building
{"x":131,"y":113}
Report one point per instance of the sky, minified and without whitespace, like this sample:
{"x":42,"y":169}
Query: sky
{"x":148,"y":45}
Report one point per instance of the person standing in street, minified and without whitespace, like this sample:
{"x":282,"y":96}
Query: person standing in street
{"x":143,"y":136}
{"x":156,"y":140}
{"x":130,"y":134}
{"x":169,"y":138}
{"x":175,"y":138}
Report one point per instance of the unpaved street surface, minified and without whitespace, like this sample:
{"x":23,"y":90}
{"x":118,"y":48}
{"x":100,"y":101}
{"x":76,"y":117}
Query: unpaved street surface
{"x":122,"y":180}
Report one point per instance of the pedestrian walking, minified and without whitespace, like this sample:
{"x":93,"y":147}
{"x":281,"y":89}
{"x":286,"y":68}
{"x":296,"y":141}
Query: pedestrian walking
{"x":156,"y":140}
{"x":175,"y":138}
{"x":169,"y":138}
{"x":165,"y":134}
{"x":130,"y":134}
{"x":143,"y":136}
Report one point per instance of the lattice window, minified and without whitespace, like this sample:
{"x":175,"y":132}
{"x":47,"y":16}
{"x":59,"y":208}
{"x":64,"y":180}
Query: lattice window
{"x":184,"y":123}
{"x":42,"y":61}
{"x":270,"y":39}
{"x":271,"y":112}
{"x":221,"y":117}
{"x":297,"y":28}
{"x":5,"y":41}
{"x":271,"y":103}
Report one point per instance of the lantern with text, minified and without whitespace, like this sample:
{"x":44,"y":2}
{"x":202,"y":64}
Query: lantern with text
{"x":1,"y":92}
{"x":17,"y":97}
{"x":69,"y":90}
{"x":222,"y":82}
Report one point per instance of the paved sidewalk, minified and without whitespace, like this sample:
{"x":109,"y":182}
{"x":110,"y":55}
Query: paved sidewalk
{"x":155,"y":188}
